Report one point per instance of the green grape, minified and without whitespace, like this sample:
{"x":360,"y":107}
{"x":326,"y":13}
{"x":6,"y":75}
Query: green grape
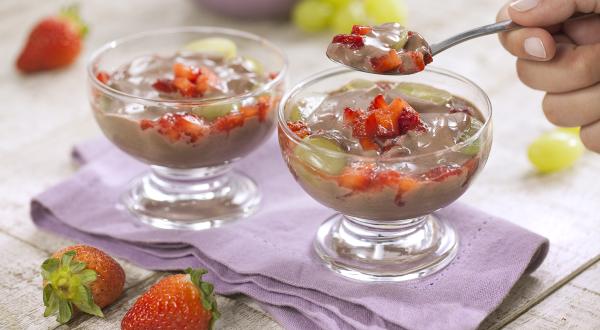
{"x":424,"y":92}
{"x":349,"y":15}
{"x":554,"y":151}
{"x":385,"y":11}
{"x":337,"y":3}
{"x":312,"y":15}
{"x":571,"y":130}
{"x":402,"y":42}
{"x":296,"y":114}
{"x":212,"y":112}
{"x":475,"y":146}
{"x":358,"y":84}
{"x":253,"y":65}
{"x":331,"y":164}
{"x":214,"y":46}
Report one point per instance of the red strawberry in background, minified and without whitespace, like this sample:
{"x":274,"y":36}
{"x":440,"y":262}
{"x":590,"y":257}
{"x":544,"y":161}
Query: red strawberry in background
{"x":53,"y":43}
{"x":181,"y":301}
{"x":80,"y":278}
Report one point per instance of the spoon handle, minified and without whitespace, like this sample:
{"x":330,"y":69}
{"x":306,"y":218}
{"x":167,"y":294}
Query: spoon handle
{"x":501,"y":26}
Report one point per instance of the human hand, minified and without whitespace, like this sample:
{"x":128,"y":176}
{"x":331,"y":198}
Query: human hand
{"x":562,"y":59}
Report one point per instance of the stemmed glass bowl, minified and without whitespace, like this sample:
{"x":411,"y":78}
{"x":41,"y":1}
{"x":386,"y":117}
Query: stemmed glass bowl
{"x":189,"y":185}
{"x":384,"y":232}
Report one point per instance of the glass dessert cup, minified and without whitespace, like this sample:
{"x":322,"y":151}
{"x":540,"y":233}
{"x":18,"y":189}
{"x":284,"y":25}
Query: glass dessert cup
{"x":385,"y":229}
{"x":190,"y":184}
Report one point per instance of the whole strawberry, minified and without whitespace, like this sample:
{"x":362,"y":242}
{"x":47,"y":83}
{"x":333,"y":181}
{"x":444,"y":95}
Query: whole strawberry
{"x":80,"y":277}
{"x":53,"y":43}
{"x":181,"y":301}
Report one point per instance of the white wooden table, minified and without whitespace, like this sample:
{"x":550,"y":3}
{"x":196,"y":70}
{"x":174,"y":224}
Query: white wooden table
{"x":42,"y":117}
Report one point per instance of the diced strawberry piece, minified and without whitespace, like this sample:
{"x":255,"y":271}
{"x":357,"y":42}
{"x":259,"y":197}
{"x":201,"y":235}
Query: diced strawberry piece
{"x":183,"y":71}
{"x":103,"y":77}
{"x":185,"y":87}
{"x":178,"y":126}
{"x":273,"y":75}
{"x":356,"y":178}
{"x":146,"y":124}
{"x":427,"y":57}
{"x":299,"y":128}
{"x":365,"y":126}
{"x":164,"y":86}
{"x":368,"y":144}
{"x":206,"y":80}
{"x":387,"y":125}
{"x":350,"y":116}
{"x":409,"y":120}
{"x":386,"y":63}
{"x":264,"y":106}
{"x":441,"y":173}
{"x":417,"y":59}
{"x":353,"y":41}
{"x":378,"y":102}
{"x":229,"y":122}
{"x":361,"y":29}
{"x":249,"y":111}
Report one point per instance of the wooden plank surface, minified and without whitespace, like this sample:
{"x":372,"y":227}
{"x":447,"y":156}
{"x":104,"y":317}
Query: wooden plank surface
{"x":44,"y":115}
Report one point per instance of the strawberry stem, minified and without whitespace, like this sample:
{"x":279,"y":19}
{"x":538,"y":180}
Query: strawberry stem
{"x":67,"y":283}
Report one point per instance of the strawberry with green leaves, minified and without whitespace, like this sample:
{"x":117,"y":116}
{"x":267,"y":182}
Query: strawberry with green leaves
{"x":80,"y":278}
{"x":53,"y":43}
{"x":181,"y":301}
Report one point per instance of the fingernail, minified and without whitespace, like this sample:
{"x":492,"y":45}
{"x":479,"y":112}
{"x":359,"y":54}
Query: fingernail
{"x":524,"y":5}
{"x":535,"y":47}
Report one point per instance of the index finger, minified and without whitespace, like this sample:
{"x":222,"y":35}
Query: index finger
{"x":545,"y":13}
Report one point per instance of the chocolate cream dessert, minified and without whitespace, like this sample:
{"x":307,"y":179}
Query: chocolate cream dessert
{"x":209,"y":115}
{"x":384,"y":150}
{"x":387,"y":48}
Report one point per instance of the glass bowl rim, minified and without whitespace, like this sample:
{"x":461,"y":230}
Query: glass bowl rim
{"x":91,"y":65}
{"x":327,"y":73}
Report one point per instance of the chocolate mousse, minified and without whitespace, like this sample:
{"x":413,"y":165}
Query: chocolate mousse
{"x":195,"y":109}
{"x":384,"y":150}
{"x":387,"y":48}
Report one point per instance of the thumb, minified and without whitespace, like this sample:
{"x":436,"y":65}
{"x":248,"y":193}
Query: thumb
{"x":543,"y":13}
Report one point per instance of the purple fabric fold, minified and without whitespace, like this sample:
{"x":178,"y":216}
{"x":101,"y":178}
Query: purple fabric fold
{"x":269,"y":255}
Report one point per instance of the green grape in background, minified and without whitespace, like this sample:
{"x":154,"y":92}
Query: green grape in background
{"x":338,"y":3}
{"x":352,"y":13}
{"x":312,"y":15}
{"x":572,"y":130}
{"x":384,"y":11}
{"x":555,"y":150}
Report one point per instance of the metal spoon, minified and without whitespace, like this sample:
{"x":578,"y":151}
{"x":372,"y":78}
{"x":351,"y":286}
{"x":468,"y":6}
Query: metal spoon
{"x":501,"y":26}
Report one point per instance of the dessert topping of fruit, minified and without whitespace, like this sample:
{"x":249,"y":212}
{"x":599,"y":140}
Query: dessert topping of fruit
{"x":80,"y":278}
{"x":382,"y":120}
{"x":180,"y":126}
{"x":189,"y":81}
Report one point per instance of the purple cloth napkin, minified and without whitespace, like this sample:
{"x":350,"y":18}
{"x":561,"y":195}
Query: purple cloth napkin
{"x":269,"y":256}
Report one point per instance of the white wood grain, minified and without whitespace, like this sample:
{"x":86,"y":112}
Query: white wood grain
{"x":44,"y":115}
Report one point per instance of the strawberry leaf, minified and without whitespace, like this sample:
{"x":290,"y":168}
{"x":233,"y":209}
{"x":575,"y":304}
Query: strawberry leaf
{"x":67,"y":284}
{"x":207,"y":292}
{"x":87,"y":276}
{"x":65,"y":311}
{"x":52,"y":305}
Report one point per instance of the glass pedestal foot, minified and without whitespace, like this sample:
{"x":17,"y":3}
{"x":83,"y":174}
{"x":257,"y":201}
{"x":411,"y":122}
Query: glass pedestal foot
{"x":376,"y":251}
{"x":193,"y":199}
